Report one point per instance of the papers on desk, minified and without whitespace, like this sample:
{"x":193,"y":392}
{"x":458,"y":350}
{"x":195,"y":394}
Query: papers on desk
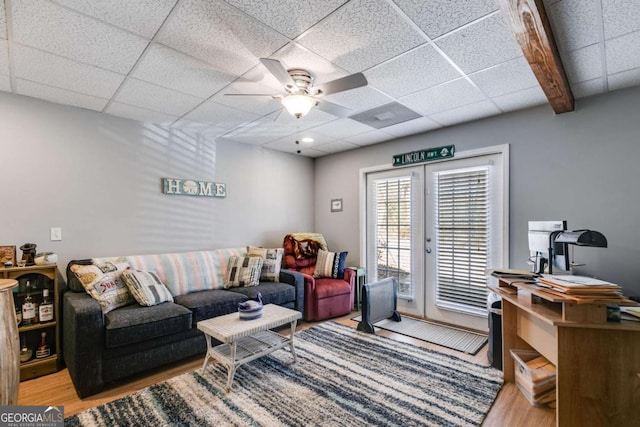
{"x":578,"y":285}
{"x":630,"y":313}
{"x":512,"y":274}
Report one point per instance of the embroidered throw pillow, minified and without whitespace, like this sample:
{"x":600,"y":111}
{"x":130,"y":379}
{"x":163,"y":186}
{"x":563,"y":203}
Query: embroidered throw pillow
{"x":330,"y":264}
{"x":243,"y":271}
{"x":146,"y":287}
{"x":272,"y":259}
{"x":104,"y":283}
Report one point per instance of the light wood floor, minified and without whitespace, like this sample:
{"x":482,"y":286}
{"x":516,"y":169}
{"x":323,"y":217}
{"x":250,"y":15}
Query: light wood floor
{"x":509,"y":409}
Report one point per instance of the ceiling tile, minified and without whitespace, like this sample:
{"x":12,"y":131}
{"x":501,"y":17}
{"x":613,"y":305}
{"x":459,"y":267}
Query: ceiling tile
{"x":313,"y":153}
{"x":336,"y":146}
{"x":142,"y":17}
{"x":620,"y":17}
{"x":288,"y":145}
{"x":444,"y":97}
{"x":342,"y":128}
{"x":289,"y":17}
{"x":4,"y":57}
{"x":140,"y":114}
{"x":623,"y":53}
{"x":436,"y":17}
{"x":362,"y":98}
{"x":60,"y":96}
{"x":505,"y":78}
{"x":484,"y":44}
{"x":296,"y":139}
{"x":199,"y":128}
{"x":52,"y":70}
{"x":369,"y":138}
{"x":259,"y":132}
{"x":419,"y":69}
{"x":213,"y":132}
{"x":156,"y":98}
{"x":58,"y":30}
{"x":467,"y":113}
{"x":3,"y":22}
{"x":225,"y":117}
{"x":588,"y":88}
{"x":574,"y":23}
{"x":172,"y":69}
{"x":5,"y":83}
{"x":625,"y":79}
{"x":362,"y":34}
{"x":219,"y":34}
{"x":583,"y":64}
{"x":522,"y":99}
{"x":422,"y":124}
{"x":260,"y":105}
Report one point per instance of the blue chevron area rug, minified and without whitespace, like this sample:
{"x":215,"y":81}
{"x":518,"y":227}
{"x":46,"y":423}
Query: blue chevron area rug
{"x":342,"y":378}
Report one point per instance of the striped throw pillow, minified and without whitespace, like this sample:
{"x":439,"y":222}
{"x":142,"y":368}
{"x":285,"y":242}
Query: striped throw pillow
{"x":272,"y":261}
{"x":146,"y":287}
{"x":330,"y":264}
{"x":243,"y":271}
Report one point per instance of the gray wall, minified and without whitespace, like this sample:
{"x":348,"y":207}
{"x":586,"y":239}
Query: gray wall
{"x":99,"y":178}
{"x":582,"y":166}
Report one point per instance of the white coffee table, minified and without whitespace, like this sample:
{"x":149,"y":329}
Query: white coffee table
{"x":246,"y":340}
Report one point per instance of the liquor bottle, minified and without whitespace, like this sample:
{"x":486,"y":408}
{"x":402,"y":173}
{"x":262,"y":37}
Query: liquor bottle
{"x":28,"y":307}
{"x":46,"y":307}
{"x":25,"y":352}
{"x":44,"y":350}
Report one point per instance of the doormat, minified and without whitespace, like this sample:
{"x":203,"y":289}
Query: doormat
{"x":446,"y":336}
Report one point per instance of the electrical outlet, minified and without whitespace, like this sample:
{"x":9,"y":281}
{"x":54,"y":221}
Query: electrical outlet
{"x":56,"y":233}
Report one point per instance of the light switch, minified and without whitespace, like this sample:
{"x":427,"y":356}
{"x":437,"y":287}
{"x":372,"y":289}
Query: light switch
{"x":56,"y":233}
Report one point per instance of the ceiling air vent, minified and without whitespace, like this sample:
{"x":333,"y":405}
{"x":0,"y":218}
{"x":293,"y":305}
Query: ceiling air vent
{"x":386,"y":115}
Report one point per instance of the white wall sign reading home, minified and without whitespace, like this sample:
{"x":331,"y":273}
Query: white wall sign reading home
{"x":191,"y":187}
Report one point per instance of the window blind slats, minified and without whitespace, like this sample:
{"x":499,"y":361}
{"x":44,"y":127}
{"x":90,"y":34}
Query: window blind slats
{"x":462,"y":227}
{"x":393,"y":228}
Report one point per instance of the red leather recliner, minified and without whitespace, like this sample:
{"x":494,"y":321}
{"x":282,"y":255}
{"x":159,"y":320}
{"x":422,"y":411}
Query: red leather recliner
{"x":324,"y":298}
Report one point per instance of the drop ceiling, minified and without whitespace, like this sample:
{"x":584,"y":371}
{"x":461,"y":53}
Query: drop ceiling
{"x":172,"y":62}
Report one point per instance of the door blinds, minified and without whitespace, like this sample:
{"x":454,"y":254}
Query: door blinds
{"x":393,"y":231}
{"x":462,"y":226}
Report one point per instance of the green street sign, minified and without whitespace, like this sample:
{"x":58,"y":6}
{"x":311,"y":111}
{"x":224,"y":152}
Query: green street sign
{"x":422,"y":156}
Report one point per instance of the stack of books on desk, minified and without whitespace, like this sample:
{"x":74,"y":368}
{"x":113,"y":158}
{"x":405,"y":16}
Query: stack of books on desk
{"x":580,"y":288}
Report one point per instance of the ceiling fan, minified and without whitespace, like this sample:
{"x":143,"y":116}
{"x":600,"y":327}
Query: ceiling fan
{"x":302,"y":95}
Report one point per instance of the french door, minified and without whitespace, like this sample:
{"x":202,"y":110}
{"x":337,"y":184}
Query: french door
{"x":436,"y":228}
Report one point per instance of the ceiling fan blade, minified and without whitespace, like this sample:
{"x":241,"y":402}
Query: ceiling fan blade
{"x":331,"y":108}
{"x":345,"y":83}
{"x":279,"y":72}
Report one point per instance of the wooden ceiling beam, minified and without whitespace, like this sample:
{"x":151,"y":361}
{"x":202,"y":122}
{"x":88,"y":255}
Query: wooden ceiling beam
{"x":531,"y":27}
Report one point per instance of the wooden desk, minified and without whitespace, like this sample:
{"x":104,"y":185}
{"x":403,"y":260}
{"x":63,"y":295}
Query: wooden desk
{"x":597,"y":364}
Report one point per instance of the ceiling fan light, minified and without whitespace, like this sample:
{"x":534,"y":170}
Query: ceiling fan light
{"x":298,"y":105}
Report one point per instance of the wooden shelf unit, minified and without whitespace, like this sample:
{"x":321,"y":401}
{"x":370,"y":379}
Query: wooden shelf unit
{"x":49,"y":274}
{"x":597,"y":363}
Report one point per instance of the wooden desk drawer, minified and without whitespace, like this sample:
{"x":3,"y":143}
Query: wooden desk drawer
{"x":539,"y":335}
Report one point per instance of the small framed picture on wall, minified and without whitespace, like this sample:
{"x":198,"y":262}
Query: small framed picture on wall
{"x":336,"y":205}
